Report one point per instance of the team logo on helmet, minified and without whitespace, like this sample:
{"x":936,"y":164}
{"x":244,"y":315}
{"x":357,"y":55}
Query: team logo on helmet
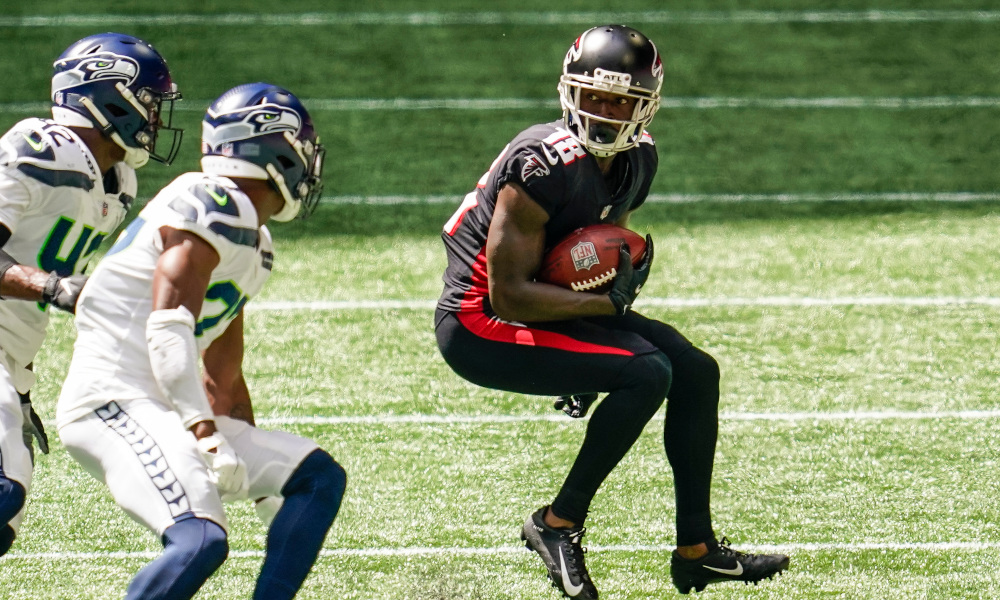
{"x":657,"y":63}
{"x":575,"y":51}
{"x":98,"y":67}
{"x":242,"y":124}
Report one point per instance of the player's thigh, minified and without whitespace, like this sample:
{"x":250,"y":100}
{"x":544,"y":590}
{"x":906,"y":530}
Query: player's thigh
{"x":149,"y":462}
{"x":662,"y":335}
{"x":554,"y":358}
{"x":271,"y":456}
{"x":15,"y":460}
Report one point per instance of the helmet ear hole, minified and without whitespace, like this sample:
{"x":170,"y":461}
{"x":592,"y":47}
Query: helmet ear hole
{"x":285,"y":162}
{"x":115,"y":110}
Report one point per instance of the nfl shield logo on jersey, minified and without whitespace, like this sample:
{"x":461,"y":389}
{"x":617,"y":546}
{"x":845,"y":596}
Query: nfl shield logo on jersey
{"x":584,"y":256}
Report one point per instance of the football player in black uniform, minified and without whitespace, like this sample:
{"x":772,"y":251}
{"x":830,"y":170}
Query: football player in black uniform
{"x":499,"y":328}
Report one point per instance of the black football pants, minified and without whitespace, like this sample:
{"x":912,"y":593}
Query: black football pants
{"x":637,"y":361}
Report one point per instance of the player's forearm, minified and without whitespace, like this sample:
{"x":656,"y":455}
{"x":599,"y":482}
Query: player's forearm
{"x":173,"y":356}
{"x":230,"y":399}
{"x":535,"y":302}
{"x":21,"y":282}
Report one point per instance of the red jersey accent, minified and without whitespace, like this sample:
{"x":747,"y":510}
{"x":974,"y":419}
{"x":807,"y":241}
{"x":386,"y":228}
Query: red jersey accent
{"x":501,"y":331}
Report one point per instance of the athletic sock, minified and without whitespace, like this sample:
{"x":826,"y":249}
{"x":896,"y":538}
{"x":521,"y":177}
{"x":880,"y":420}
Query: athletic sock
{"x":312,"y":498}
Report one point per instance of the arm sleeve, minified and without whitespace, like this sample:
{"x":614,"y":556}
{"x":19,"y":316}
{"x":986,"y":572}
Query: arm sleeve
{"x":530,"y":168}
{"x":173,"y":355}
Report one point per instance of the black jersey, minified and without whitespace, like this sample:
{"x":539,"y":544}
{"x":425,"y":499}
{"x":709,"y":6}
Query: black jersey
{"x":558,"y":174}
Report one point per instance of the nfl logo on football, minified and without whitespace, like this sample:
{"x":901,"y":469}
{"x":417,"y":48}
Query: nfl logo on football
{"x":584,"y":256}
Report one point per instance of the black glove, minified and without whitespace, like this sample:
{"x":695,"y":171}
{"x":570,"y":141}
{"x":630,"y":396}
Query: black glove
{"x":576,"y":405}
{"x":63,"y":292}
{"x":32,"y":428}
{"x":629,"y":280}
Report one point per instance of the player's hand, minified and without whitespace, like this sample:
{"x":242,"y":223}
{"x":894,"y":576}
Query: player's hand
{"x":32,"y":428}
{"x":63,"y":292}
{"x":576,"y":405}
{"x":226,"y":470}
{"x":629,"y":280}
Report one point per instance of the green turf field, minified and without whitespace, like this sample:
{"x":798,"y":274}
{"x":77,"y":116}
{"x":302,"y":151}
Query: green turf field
{"x":855,"y":326}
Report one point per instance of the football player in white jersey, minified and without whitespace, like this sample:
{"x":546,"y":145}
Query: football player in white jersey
{"x":66,"y":183}
{"x":134,"y":410}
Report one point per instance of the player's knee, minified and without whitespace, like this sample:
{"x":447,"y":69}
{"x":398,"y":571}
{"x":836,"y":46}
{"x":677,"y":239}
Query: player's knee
{"x":7,"y":536}
{"x":320,"y":476}
{"x":649,"y":375}
{"x":698,"y":366}
{"x":12,"y":496}
{"x":202,"y":543}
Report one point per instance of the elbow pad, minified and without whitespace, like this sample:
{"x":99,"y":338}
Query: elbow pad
{"x":173,"y":355}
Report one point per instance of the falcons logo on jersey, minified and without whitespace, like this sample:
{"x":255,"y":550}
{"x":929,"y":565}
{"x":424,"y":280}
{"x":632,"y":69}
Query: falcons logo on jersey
{"x":533,"y":166}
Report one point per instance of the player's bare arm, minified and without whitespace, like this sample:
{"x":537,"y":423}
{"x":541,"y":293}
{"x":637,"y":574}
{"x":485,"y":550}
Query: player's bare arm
{"x":223,"y":374}
{"x":19,"y":281}
{"x":514,"y":252}
{"x":25,"y":282}
{"x":182,"y":276}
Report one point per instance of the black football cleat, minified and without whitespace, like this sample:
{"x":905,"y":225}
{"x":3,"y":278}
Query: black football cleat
{"x":562,"y":553}
{"x":722,"y":563}
{"x":576,"y":405}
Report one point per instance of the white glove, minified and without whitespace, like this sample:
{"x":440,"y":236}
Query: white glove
{"x":225,"y":468}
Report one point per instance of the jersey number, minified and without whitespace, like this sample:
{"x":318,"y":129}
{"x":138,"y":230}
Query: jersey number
{"x":50,"y":256}
{"x":232,"y":299}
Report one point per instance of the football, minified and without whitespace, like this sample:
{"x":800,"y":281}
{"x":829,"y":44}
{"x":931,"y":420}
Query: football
{"x":587,"y":259}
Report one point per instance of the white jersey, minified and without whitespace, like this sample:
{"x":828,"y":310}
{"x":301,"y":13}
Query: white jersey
{"x":58,"y":208}
{"x":111,"y":356}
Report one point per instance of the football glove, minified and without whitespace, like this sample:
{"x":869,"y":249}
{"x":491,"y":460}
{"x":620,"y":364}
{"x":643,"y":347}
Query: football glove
{"x":32,"y":428}
{"x":629,"y":280}
{"x":576,"y":405}
{"x":225,"y":469}
{"x":63,"y":292}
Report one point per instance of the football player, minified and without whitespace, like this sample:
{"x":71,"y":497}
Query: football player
{"x":171,"y":444}
{"x":499,"y":328}
{"x":66,"y":183}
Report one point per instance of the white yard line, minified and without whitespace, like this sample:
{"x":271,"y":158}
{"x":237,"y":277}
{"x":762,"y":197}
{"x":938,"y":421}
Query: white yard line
{"x":521,"y":18}
{"x":466,"y":551}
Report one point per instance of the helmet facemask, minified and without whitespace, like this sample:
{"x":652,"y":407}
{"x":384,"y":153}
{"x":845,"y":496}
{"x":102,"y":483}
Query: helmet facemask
{"x":303,"y":200}
{"x":603,"y":136}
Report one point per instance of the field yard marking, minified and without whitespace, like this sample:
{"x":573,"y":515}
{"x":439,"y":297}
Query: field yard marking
{"x":554,"y":417}
{"x":465,"y":551}
{"x":307,"y":19}
{"x":776,"y":301}
{"x":486,"y":104}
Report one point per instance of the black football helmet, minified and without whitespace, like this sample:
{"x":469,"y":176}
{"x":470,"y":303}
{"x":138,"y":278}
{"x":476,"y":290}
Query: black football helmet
{"x":618,"y":60}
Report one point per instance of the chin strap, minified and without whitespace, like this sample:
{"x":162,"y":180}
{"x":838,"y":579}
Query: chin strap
{"x":134,"y":157}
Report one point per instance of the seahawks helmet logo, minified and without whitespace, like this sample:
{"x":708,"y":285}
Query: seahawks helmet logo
{"x":249,"y":122}
{"x":96,"y":67}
